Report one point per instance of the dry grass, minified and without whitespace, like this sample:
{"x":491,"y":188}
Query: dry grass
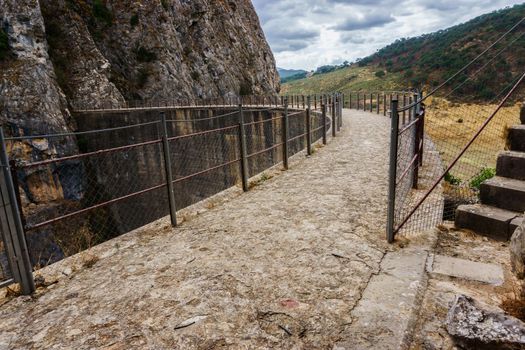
{"x":260,"y":180}
{"x":89,"y":261}
{"x":452,"y":125}
{"x":352,"y":78}
{"x":514,"y":305}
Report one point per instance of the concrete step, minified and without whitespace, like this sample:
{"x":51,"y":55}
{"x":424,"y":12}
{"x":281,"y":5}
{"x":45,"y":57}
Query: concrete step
{"x":511,"y":164}
{"x":487,"y":221}
{"x":516,"y":138}
{"x":504,"y":193}
{"x":514,"y":224}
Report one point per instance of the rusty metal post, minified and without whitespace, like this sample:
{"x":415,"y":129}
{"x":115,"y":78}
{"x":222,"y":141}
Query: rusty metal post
{"x":168,"y":170}
{"x":11,"y":227}
{"x":411,"y":109}
{"x":394,"y":139}
{"x":384,"y":104}
{"x":308,"y":128}
{"x":285,"y":136}
{"x":334,"y":117}
{"x":324,"y":119}
{"x":404,"y":110}
{"x":417,"y":142}
{"x":339,"y":111}
{"x":243,"y":151}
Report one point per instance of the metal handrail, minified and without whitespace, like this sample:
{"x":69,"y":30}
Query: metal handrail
{"x":46,"y":136}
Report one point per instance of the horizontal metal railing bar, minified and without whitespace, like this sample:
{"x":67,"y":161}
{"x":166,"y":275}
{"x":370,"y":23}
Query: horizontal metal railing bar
{"x":378,"y":92}
{"x":317,"y":129}
{"x":405,"y":172}
{"x":206,"y":171}
{"x":170,"y":107}
{"x":84,"y":155}
{"x":265,"y":150}
{"x":408,"y":126}
{"x":264,"y":121}
{"x":296,"y":113}
{"x":296,"y":137}
{"x":261,"y":110}
{"x":203,"y":133}
{"x":46,"y":136}
{"x":7,"y":283}
{"x":202,"y":119}
{"x":96,"y":206}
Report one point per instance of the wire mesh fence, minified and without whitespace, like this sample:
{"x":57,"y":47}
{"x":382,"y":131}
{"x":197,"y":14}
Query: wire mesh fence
{"x":132,"y":167}
{"x":378,"y":102}
{"x":466,"y":123}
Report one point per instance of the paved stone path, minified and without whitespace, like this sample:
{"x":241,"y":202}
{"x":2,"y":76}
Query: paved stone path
{"x":280,"y":267}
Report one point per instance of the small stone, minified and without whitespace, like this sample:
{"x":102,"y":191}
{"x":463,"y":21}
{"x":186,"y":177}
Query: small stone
{"x":289,"y":303}
{"x":473,"y":326}
{"x":517,"y":251}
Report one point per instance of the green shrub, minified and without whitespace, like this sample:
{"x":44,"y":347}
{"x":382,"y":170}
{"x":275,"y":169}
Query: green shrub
{"x":134,"y":21}
{"x":102,"y":13}
{"x":380,"y":74}
{"x":165,"y":4}
{"x":451,"y":179}
{"x":4,"y":44}
{"x":484,"y":174}
{"x":144,"y":55}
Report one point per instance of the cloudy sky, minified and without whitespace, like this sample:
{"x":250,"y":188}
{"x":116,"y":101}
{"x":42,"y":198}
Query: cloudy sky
{"x":310,"y":33}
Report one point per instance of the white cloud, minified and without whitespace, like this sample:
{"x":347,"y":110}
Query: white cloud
{"x":309,"y":33}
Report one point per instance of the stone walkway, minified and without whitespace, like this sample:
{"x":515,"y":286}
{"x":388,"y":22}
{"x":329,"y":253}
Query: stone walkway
{"x":280,"y":267}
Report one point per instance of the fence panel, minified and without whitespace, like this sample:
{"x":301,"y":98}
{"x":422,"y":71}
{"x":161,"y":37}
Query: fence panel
{"x":76,"y":190}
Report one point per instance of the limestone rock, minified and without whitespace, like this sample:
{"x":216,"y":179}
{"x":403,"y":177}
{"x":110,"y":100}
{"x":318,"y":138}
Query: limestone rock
{"x":517,"y":251}
{"x":473,"y":326}
{"x":158,"y":49}
{"x":87,"y":54}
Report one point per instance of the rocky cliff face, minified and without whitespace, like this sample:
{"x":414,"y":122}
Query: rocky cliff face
{"x":96,"y":51}
{"x":58,"y":54}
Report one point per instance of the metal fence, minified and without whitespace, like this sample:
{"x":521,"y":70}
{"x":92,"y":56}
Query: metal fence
{"x":379,"y":102}
{"x":406,"y":157}
{"x":72,"y":191}
{"x":450,"y":143}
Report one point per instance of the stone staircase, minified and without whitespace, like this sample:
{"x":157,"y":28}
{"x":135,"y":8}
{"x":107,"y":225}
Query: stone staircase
{"x":502,"y":197}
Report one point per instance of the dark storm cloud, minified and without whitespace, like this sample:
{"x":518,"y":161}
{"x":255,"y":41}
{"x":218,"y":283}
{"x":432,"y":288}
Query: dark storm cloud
{"x":310,"y":33}
{"x":365,"y":22}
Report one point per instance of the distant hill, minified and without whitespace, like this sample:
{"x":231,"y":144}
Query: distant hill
{"x":285,"y":73}
{"x":429,"y":59}
{"x":352,"y":78}
{"x":288,"y":75}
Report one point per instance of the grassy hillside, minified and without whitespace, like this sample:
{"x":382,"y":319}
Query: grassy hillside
{"x":428,"y":60}
{"x":351,"y":78}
